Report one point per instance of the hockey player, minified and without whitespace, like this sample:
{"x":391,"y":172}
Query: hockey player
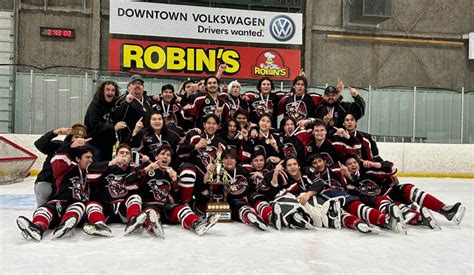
{"x":66,"y":207}
{"x":199,"y":149}
{"x":293,"y":139}
{"x":333,"y":149}
{"x":159,"y":190}
{"x":299,"y":104}
{"x":263,"y":138}
{"x":369,"y":183}
{"x":207,"y":104}
{"x":173,"y":113}
{"x":44,"y":184}
{"x":263,"y":102}
{"x":116,"y":198}
{"x":235,"y":100}
{"x":330,"y":183}
{"x":245,"y":204}
{"x":151,"y":138}
{"x":368,"y":150}
{"x":238,"y":139}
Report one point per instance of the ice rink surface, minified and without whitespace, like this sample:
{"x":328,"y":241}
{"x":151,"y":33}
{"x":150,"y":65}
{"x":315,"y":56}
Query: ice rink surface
{"x":237,"y":248}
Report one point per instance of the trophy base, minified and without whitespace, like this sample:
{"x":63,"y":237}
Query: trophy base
{"x":221,"y":208}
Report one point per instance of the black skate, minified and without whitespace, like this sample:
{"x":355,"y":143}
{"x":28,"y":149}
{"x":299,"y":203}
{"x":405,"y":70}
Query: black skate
{"x":453,"y":213}
{"x":257,"y":222}
{"x":29,"y":229}
{"x":367,"y":229}
{"x":135,"y":222}
{"x":301,"y":222}
{"x":276,"y":215}
{"x":428,"y":219}
{"x":408,"y":216}
{"x":202,"y":226}
{"x":155,"y":224}
{"x":334,"y":214}
{"x":394,"y":220}
{"x":65,"y":227}
{"x":98,"y":229}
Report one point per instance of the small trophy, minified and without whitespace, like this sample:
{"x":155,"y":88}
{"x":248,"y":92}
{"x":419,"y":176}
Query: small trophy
{"x":218,"y":189}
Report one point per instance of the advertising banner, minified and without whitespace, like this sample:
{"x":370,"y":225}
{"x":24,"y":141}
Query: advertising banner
{"x":193,"y":22}
{"x":183,"y":59}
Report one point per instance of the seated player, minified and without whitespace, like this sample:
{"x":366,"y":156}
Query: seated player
{"x":371,"y":185}
{"x":160,"y":193}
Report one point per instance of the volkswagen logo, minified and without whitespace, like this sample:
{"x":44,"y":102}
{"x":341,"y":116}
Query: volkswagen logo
{"x":282,"y":28}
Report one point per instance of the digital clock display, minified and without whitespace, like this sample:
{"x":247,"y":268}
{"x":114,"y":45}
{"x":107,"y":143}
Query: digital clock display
{"x":57,"y":32}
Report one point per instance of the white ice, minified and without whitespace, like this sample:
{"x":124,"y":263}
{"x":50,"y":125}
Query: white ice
{"x":236,"y":248}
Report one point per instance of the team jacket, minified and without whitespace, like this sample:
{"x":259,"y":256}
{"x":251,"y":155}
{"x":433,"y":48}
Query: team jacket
{"x":173,"y":114}
{"x":131,"y":113}
{"x":149,"y":141}
{"x":299,"y":107}
{"x":203,"y":106}
{"x":340,"y":110}
{"x":260,"y":105}
{"x":203,"y":156}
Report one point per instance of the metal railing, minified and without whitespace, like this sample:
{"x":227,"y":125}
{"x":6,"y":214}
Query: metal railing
{"x":48,"y":101}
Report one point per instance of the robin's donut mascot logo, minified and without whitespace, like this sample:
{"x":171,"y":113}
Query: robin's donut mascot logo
{"x":270,"y":63}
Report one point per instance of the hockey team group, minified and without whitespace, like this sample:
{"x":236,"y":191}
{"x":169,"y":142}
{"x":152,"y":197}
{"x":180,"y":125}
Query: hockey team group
{"x":284,"y":160}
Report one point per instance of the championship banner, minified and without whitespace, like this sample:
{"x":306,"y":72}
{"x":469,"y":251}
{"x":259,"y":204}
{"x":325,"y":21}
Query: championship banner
{"x":206,"y":23}
{"x":183,"y":59}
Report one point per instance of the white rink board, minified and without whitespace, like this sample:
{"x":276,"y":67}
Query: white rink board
{"x":409,"y":157}
{"x":236,"y":248}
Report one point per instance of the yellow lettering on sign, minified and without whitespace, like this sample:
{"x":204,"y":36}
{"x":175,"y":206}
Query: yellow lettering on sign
{"x":176,"y":59}
{"x":159,"y":54}
{"x":231,"y":58}
{"x":132,"y":53}
{"x":190,"y":59}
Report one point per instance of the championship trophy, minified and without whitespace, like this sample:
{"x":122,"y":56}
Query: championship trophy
{"x":218,"y":189}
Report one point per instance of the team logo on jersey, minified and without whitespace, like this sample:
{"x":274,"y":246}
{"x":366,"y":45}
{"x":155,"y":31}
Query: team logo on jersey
{"x":238,"y":185}
{"x":80,"y":189}
{"x":289,"y":150}
{"x":171,"y":118}
{"x":327,"y":158}
{"x":160,"y":189}
{"x":369,"y":188}
{"x":296,"y":110}
{"x":262,"y":108}
{"x":208,"y":110}
{"x":207,"y":101}
{"x":207,"y":154}
{"x":115,"y":186}
{"x":309,"y":149}
{"x":155,"y":146}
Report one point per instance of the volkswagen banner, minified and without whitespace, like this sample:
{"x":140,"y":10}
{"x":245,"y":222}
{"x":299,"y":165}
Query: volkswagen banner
{"x":193,"y":22}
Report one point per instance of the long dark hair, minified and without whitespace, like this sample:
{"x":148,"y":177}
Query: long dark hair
{"x":259,"y":84}
{"x":99,"y":93}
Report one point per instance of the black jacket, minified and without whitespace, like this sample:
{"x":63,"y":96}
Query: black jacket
{"x":99,"y":123}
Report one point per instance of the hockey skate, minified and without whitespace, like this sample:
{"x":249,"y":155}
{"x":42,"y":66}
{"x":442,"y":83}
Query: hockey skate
{"x":202,"y":226}
{"x":367,"y":229}
{"x":428,"y":219}
{"x":257,"y":222}
{"x":155,"y":224}
{"x":453,"y":213}
{"x":135,"y":222}
{"x":394,"y":220}
{"x":98,"y":229}
{"x":29,"y":229}
{"x":65,"y":227}
{"x":301,"y":222}
{"x":333,"y":212}
{"x":276,"y":215}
